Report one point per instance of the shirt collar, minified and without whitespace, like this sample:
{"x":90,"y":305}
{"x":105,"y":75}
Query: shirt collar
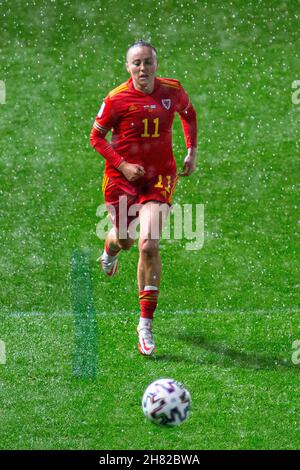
{"x":156,"y":85}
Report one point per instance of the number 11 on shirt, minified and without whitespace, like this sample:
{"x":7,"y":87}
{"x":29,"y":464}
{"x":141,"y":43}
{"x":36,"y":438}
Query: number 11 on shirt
{"x":146,"y":128}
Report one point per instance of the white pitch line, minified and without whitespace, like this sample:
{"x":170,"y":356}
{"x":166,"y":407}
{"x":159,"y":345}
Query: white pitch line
{"x":64,"y":314}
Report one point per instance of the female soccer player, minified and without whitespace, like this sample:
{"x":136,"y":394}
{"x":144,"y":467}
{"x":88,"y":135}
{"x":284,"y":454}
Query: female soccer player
{"x":140,"y":169}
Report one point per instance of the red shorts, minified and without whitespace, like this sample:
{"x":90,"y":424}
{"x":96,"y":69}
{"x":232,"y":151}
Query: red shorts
{"x":118,"y":201}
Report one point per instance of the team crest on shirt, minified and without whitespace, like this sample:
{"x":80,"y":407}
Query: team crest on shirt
{"x":166,"y":103}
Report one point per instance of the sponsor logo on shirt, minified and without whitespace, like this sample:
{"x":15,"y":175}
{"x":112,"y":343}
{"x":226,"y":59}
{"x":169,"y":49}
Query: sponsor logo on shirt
{"x":150,"y":107}
{"x":132,"y":107}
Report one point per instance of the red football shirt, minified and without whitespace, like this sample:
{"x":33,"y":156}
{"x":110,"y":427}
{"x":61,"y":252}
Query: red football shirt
{"x":142,"y":127}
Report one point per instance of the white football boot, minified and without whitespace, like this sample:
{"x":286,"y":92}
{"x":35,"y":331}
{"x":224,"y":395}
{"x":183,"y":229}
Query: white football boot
{"x":109,"y":264}
{"x":146,"y":344}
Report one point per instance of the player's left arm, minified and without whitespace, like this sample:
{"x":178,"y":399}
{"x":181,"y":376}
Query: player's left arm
{"x":188,"y":119}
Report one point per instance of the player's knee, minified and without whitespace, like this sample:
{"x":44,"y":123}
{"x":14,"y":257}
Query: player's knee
{"x":149,"y":248}
{"x":126,"y":244}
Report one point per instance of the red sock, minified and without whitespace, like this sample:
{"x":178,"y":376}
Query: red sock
{"x":109,"y":250}
{"x":148,"y":302}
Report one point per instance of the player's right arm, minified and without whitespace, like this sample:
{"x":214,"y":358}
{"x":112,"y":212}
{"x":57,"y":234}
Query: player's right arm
{"x":105,"y":120}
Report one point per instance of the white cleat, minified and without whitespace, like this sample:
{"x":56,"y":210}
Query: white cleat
{"x":146,"y":344}
{"x":109,"y":268}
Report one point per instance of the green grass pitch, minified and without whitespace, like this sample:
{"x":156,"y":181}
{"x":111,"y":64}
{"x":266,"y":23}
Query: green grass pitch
{"x":229,"y":313}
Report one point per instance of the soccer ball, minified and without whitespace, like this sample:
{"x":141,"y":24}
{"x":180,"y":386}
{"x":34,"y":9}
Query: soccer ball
{"x":166,"y":402}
